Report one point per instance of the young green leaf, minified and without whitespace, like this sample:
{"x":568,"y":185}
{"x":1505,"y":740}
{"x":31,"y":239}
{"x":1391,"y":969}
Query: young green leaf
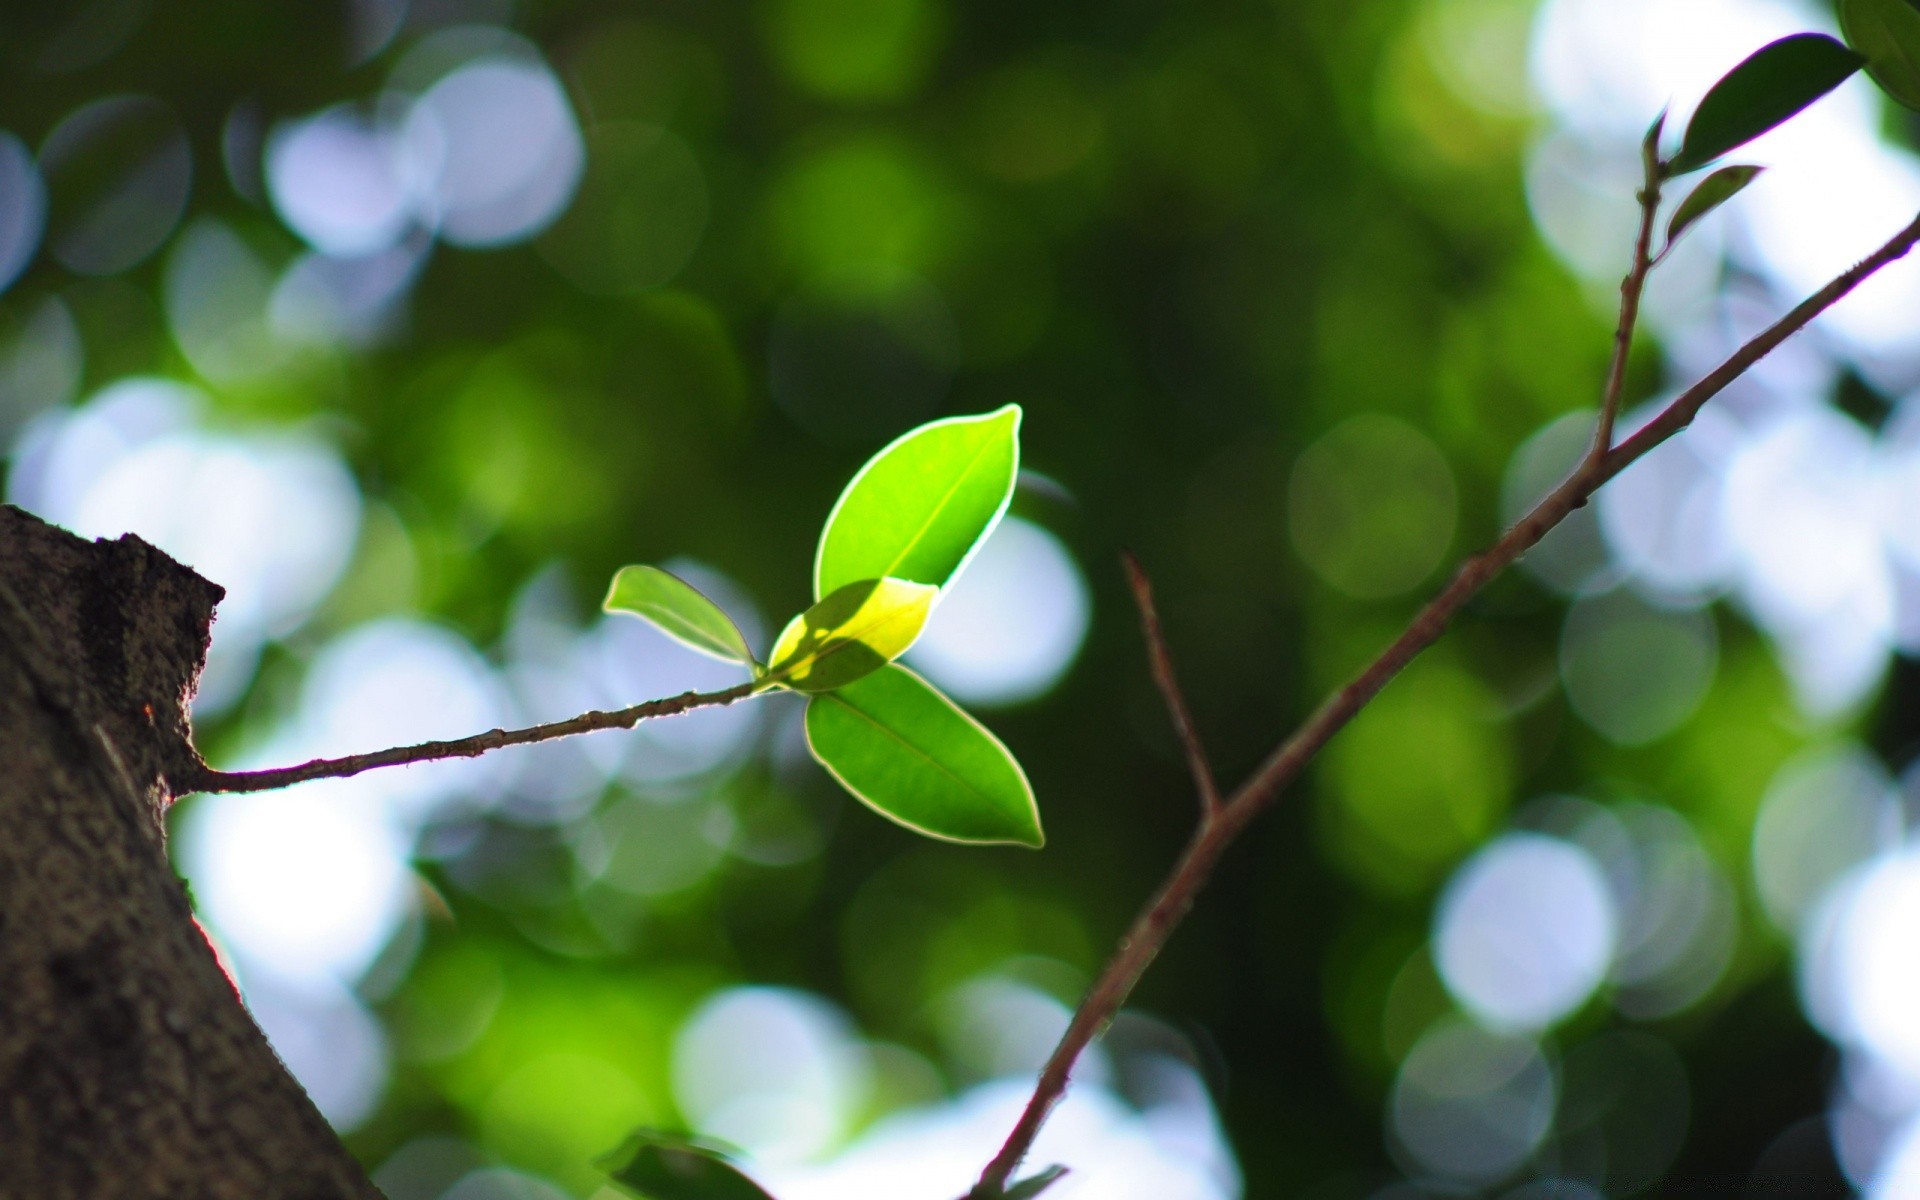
{"x":1715,"y":190}
{"x":678,"y":610}
{"x":918,"y":508}
{"x":914,"y":756}
{"x":1888,"y":33}
{"x":855,"y":631}
{"x":1772,"y":84}
{"x":662,"y":1166}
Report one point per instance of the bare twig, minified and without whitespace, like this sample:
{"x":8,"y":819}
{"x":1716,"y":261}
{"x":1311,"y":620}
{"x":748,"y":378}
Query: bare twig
{"x":208,"y":780}
{"x":1156,"y":922}
{"x":1630,"y":289}
{"x":1161,"y":662}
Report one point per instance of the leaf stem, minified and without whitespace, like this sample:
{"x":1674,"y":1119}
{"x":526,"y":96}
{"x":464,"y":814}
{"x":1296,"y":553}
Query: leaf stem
{"x":205,"y":779}
{"x":1164,"y":910}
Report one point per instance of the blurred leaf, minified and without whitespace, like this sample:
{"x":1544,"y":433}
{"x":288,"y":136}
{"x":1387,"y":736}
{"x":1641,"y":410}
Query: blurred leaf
{"x":678,"y":610}
{"x":1887,"y":32}
{"x":1772,"y":84}
{"x":662,"y":1166}
{"x":853,"y":632}
{"x":918,"y":508}
{"x":1715,"y":190}
{"x":1033,"y":1185}
{"x":914,"y":756}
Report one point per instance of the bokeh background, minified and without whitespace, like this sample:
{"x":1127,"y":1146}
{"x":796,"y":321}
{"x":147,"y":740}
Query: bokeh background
{"x":409,"y":322}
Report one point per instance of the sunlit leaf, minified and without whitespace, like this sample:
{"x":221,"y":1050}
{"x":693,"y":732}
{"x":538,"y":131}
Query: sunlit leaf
{"x":1715,"y":190}
{"x":678,"y":610}
{"x":1772,"y":84}
{"x":1887,"y":32}
{"x":663,"y":1166}
{"x":918,"y":509}
{"x":854,"y":632}
{"x":914,"y":756}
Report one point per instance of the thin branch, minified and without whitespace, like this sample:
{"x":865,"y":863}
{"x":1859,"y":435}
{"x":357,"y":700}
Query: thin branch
{"x":207,"y":780}
{"x":1161,"y":662}
{"x":1162,"y":914}
{"x":1630,"y":289}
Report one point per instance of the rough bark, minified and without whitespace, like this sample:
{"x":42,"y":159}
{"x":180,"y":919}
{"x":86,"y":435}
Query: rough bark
{"x":128,"y":1067}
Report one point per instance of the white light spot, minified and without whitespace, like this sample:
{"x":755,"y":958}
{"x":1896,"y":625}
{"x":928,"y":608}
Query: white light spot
{"x":1524,"y":931}
{"x":337,"y":180}
{"x":497,"y":151}
{"x":394,"y":682}
{"x":308,"y":883}
{"x":1171,"y":1151}
{"x":331,"y":1044}
{"x":1011,"y":624}
{"x":1663,"y":518}
{"x":1873,"y":972}
{"x":776,"y":1072}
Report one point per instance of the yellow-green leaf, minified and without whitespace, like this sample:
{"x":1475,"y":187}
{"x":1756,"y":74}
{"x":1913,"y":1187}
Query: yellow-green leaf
{"x":854,"y":632}
{"x":920,"y":507}
{"x":677,"y":609}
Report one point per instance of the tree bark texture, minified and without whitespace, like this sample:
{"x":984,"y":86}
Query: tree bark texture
{"x":128,"y":1067}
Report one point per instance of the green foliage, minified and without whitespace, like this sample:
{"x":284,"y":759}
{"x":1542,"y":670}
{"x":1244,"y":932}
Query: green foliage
{"x":1770,"y":85}
{"x":1715,"y":190}
{"x":678,"y":610}
{"x":663,"y":1166}
{"x":1887,"y":33}
{"x":913,"y":515}
{"x":852,"y":633}
{"x":921,"y":506}
{"x":916,"y":757}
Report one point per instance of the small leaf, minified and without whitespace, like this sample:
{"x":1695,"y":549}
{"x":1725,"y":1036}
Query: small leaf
{"x":915,"y":757}
{"x":853,"y":632}
{"x":919,"y":507}
{"x":678,"y":610}
{"x":1715,"y":190}
{"x":1888,"y":33}
{"x":663,"y":1166}
{"x":1772,"y":84}
{"x":1036,"y":1183}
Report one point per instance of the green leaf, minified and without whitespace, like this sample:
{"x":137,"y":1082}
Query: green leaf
{"x":919,"y":508}
{"x":1036,"y":1183}
{"x":915,"y":757}
{"x":1887,"y":32}
{"x":1715,"y":190}
{"x":1775,"y":82}
{"x":664,"y":1166}
{"x":852,"y":633}
{"x":678,"y":610}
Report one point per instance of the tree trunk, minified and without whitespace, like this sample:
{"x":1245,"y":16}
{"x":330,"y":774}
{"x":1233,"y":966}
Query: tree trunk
{"x":128,"y":1067}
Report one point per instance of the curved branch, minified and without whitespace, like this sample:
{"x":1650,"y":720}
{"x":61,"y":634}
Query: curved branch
{"x":1157,"y":921}
{"x":205,"y":779}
